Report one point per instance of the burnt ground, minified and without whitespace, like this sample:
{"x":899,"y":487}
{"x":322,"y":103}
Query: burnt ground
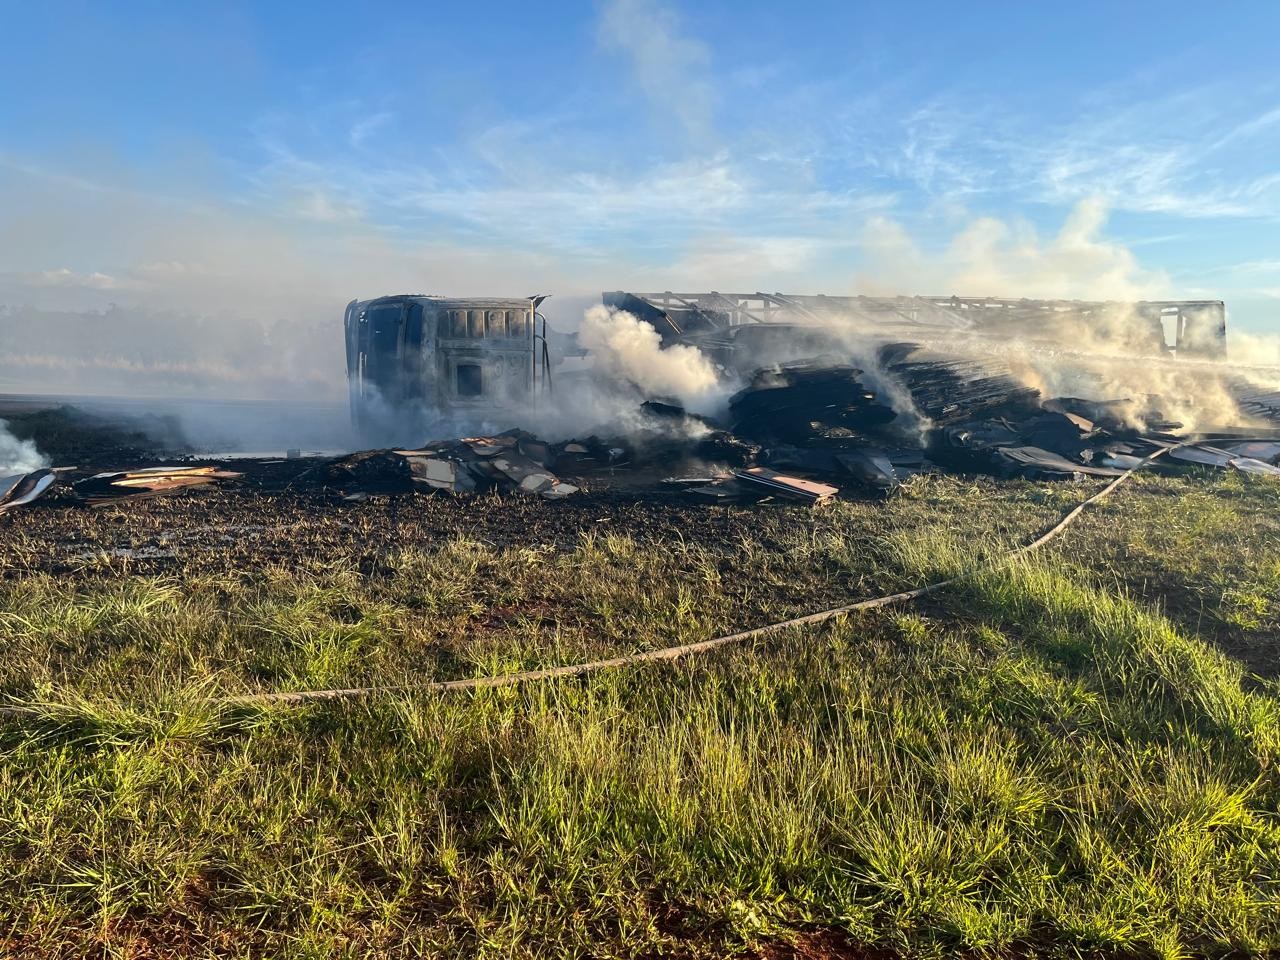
{"x":275,"y":514}
{"x":1195,"y":543}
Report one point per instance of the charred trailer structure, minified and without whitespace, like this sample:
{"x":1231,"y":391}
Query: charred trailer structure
{"x":725,"y":324}
{"x":415,"y":360}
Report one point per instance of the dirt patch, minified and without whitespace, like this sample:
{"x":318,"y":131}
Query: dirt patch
{"x":822,"y":945}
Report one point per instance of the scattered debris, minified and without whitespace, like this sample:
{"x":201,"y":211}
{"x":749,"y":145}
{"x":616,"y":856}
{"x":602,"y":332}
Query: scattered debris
{"x":822,"y":418}
{"x":24,"y":488}
{"x":515,"y":462}
{"x":949,"y":389}
{"x":1036,"y":464}
{"x":105,"y":488}
{"x":780,"y":483}
{"x":804,"y":430}
{"x":1207,"y":455}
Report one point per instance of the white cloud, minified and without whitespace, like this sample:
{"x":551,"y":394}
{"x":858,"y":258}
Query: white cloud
{"x":66,"y":277}
{"x":994,"y":257}
{"x":1184,"y":154}
{"x":1249,"y":128}
{"x":318,"y":203}
{"x":158,"y":269}
{"x":1252,"y":267}
{"x":670,"y":67}
{"x":1193,"y":153}
{"x":575,"y":211}
{"x":366,"y":127}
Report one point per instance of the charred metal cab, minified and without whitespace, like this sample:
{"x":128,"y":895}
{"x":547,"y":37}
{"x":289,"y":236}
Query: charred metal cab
{"x":413,"y":360}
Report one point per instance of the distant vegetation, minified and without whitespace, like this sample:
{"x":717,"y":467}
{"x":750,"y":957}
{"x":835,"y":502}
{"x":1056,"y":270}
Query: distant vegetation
{"x":137,"y":351}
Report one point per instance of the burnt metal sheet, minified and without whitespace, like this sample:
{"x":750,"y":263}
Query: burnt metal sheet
{"x":1204,"y":455}
{"x":1224,"y":458}
{"x":105,"y":488}
{"x":1255,"y":467}
{"x":25,"y":487}
{"x":980,"y":435}
{"x":780,"y":483}
{"x":872,"y":468}
{"x":1267,"y":451}
{"x":1035,"y":463}
{"x":8,"y":484}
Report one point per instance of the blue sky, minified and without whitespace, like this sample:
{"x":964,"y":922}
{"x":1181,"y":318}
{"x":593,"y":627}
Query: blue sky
{"x":289,"y":153}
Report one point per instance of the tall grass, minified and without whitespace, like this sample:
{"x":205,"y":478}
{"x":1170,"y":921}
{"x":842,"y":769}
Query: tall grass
{"x":1040,"y":761}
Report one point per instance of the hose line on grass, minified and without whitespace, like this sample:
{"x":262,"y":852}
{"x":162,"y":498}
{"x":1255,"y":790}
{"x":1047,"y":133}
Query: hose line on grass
{"x":686,"y":649}
{"x":299,"y":697}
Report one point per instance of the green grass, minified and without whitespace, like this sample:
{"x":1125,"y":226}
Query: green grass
{"x":1050,"y":758}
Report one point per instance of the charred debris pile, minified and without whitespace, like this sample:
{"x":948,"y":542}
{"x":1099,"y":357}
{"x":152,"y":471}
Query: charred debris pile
{"x":921,"y":411}
{"x":924,"y":411}
{"x":514,"y":461}
{"x":806,"y":430}
{"x":799,"y":431}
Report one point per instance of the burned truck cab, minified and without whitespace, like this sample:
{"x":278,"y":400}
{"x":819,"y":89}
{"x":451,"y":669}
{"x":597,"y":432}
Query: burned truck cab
{"x":414,"y":361}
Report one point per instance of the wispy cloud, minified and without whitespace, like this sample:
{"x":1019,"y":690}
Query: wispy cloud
{"x":670,"y":66}
{"x":1183,"y":154}
{"x":1249,"y":267}
{"x":366,"y":127}
{"x":1193,"y":152}
{"x":503,"y":187}
{"x":65,"y":277}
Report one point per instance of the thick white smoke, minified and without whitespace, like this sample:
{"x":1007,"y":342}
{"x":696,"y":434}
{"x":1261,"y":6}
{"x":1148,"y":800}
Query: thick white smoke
{"x":18,"y":456}
{"x":1113,"y":354}
{"x":1253,"y":348}
{"x":989,"y":257}
{"x":631,"y":349}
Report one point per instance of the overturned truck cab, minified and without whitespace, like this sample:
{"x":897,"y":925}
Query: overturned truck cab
{"x":417,"y":361}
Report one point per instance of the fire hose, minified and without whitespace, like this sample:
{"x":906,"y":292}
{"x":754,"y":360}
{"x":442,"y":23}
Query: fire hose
{"x":686,"y":649}
{"x":665,"y":654}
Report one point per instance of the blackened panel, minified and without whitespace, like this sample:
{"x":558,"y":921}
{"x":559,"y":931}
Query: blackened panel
{"x":470,"y":380}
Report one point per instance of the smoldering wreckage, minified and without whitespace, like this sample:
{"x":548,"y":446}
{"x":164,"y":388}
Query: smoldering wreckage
{"x":834,"y":395}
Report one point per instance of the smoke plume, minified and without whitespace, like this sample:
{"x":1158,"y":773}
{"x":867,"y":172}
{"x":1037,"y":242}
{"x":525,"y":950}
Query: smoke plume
{"x":989,"y":257}
{"x":1114,"y":353}
{"x":18,"y":456}
{"x":631,"y":349}
{"x":1253,"y":349}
